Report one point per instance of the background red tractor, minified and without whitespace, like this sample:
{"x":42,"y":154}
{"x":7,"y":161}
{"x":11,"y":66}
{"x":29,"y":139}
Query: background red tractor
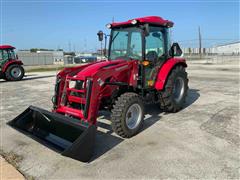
{"x":142,"y":68}
{"x":10,"y":67}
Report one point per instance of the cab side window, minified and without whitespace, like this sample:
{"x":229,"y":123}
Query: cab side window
{"x":4,"y":55}
{"x":1,"y":57}
{"x":154,"y":44}
{"x":12,"y":54}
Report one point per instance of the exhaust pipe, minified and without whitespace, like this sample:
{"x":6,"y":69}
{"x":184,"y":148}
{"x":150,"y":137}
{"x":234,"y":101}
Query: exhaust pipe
{"x":65,"y":134}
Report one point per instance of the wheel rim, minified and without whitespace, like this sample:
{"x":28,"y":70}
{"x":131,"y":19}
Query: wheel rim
{"x":178,"y":89}
{"x":16,"y":72}
{"x":133,"y":116}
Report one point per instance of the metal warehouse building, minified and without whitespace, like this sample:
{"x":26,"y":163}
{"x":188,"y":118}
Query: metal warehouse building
{"x":40,"y":57}
{"x":227,"y":49}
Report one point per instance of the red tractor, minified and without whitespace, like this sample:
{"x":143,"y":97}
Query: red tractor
{"x":10,"y":67}
{"x":142,"y":68}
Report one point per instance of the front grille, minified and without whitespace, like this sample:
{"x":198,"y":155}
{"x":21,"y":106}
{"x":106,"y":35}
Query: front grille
{"x":76,"y":93}
{"x":79,"y":85}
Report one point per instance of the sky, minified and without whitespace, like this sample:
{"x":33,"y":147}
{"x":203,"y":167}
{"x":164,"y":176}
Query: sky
{"x":73,"y":25}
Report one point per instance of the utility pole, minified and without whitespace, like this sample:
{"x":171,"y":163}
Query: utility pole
{"x":85,"y":44}
{"x":69,"y":46}
{"x":101,"y":50}
{"x":74,"y":49}
{"x":200,"y":41}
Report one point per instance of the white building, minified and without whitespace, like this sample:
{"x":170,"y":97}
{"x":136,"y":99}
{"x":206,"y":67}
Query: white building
{"x":228,"y":49}
{"x":225,"y":49}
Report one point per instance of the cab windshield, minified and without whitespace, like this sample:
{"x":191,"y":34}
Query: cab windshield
{"x":126,"y":43}
{"x":11,"y":54}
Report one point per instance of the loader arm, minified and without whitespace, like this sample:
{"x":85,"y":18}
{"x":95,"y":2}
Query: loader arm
{"x":83,"y":102}
{"x":60,"y":81}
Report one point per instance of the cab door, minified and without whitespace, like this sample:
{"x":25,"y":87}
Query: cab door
{"x":3,"y":57}
{"x":155,"y":53}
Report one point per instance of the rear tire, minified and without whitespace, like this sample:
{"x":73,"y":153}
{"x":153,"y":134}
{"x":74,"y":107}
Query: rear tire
{"x":175,"y":91}
{"x":14,"y":72}
{"x":127,"y":115}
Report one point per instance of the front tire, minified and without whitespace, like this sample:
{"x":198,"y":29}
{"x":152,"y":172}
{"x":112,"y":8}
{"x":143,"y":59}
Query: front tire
{"x":127,"y":115}
{"x":175,"y":91}
{"x":14,"y":72}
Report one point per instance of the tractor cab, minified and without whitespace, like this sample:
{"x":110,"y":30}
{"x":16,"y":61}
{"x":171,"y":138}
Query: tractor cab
{"x":10,"y":66}
{"x":6,"y":54}
{"x":144,"y":39}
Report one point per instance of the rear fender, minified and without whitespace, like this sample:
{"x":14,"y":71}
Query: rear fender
{"x":165,"y":71}
{"x":10,"y":63}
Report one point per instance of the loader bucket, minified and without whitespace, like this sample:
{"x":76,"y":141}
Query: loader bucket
{"x":64,"y":134}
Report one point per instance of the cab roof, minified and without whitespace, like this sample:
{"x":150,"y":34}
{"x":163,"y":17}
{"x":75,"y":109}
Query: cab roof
{"x":156,"y":20}
{"x":6,"y":47}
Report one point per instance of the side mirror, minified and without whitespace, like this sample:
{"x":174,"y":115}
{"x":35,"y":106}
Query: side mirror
{"x":100,"y":35}
{"x":175,"y":50}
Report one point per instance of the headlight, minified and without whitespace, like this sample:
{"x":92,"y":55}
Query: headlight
{"x":108,"y":26}
{"x":134,"y":21}
{"x":72,"y":84}
{"x":100,"y":82}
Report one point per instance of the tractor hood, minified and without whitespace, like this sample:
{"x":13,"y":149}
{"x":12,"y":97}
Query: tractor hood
{"x":91,"y":69}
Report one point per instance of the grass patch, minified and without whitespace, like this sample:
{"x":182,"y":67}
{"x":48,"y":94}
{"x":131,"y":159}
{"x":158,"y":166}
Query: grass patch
{"x":44,"y":69}
{"x":50,"y":67}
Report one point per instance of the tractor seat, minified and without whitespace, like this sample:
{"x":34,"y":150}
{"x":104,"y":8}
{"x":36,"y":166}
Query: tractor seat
{"x":152,"y":56}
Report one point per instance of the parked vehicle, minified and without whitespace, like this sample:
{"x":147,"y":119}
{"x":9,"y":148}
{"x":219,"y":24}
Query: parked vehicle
{"x":10,"y":67}
{"x":84,"y":59}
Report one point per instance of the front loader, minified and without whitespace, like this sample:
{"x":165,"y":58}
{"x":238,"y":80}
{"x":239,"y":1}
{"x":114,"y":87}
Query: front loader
{"x":142,"y":68}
